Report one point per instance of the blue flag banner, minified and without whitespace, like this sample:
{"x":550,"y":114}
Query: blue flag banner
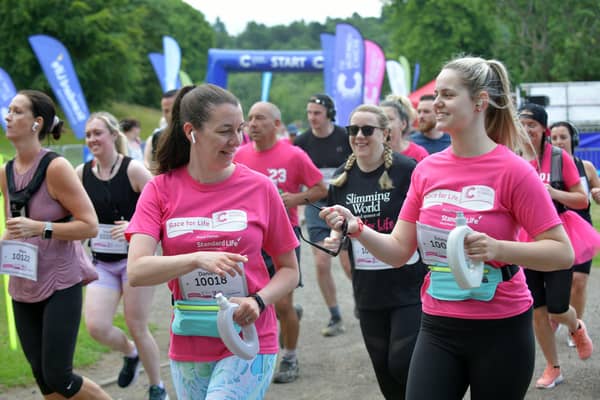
{"x":172,"y":63}
{"x":416,"y":76}
{"x":158,"y":63}
{"x":349,"y":66}
{"x":266,"y":85}
{"x":7,"y":92}
{"x":58,"y":68}
{"x":328,"y":46}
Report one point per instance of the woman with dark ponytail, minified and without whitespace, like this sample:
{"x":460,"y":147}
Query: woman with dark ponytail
{"x":46,"y":227}
{"x":213,"y":217}
{"x":373,"y":184}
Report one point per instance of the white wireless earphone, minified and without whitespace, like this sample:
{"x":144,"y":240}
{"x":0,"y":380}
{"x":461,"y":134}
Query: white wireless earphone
{"x":35,"y":126}
{"x":193,"y":134}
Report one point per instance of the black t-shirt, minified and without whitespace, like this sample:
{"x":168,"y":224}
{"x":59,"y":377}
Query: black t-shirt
{"x":379,"y":209}
{"x":329,"y":152}
{"x":113,"y":200}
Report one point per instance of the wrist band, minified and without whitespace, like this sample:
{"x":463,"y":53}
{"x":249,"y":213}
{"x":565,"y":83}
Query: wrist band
{"x":259,"y":301}
{"x":361,"y":226}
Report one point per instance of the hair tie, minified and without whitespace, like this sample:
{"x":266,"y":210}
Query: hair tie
{"x":55,"y":122}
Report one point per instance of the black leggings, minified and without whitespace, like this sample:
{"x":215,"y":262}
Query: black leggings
{"x":494,"y":357}
{"x":48,"y":333}
{"x":390,"y":336}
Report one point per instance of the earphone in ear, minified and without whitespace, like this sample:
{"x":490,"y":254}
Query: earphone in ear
{"x":35,"y":126}
{"x":193,"y":135}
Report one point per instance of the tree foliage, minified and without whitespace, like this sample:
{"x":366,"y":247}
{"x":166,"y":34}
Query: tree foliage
{"x":109,"y":42}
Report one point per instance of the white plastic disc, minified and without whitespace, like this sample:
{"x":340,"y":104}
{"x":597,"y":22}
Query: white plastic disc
{"x":467,"y":274}
{"x":246,"y":347}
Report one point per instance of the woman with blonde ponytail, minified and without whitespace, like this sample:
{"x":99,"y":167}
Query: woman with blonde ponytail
{"x":480,"y":337}
{"x":114,"y":181}
{"x":373,"y":184}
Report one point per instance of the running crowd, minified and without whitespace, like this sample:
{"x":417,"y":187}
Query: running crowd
{"x":210,"y":204}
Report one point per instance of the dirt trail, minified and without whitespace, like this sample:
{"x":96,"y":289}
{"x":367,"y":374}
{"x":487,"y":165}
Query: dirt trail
{"x":338,"y":368}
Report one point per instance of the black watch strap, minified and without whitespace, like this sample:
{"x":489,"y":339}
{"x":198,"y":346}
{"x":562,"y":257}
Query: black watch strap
{"x":259,"y":301}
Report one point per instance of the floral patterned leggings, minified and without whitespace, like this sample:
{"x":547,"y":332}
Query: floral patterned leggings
{"x":231,"y":378}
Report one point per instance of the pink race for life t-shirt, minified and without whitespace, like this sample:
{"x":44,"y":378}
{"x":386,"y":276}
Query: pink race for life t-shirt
{"x":286,"y":165}
{"x":498,"y":192}
{"x":242,"y":214}
{"x":415,"y":151}
{"x":570,"y":175}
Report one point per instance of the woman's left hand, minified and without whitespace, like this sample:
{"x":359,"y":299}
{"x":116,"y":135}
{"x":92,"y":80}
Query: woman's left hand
{"x":118,"y":232}
{"x":247,"y":312}
{"x":481,"y":247}
{"x":23,"y":228}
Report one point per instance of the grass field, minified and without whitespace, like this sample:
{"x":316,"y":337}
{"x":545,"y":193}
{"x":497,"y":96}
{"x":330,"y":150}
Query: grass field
{"x":148,"y":118}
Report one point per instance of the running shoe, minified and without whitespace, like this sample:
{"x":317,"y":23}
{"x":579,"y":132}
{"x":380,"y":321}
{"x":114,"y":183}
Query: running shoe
{"x":570,"y":341}
{"x":288,"y":371}
{"x":333,"y":328}
{"x":157,"y":393}
{"x":550,"y":378}
{"x":129,"y":371}
{"x":584,"y":344}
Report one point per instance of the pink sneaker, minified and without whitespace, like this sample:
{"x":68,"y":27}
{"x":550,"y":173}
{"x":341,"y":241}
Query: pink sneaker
{"x":550,"y":378}
{"x":583,"y":343}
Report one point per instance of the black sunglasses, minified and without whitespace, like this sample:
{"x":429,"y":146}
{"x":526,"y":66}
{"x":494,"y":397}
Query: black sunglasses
{"x":318,"y":246}
{"x":367,"y":130}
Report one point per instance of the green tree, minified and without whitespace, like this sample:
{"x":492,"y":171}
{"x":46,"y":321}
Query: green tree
{"x":87,"y":30}
{"x":430,"y":32}
{"x":550,"y":40}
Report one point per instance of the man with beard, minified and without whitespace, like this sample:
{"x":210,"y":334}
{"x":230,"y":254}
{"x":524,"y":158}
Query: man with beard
{"x":428,"y":136}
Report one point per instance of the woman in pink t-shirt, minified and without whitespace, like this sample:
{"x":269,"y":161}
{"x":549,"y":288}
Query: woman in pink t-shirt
{"x":479,"y":338}
{"x":551,"y":290}
{"x":213,"y":218}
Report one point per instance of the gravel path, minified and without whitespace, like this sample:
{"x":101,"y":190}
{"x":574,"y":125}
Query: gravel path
{"x":338,"y":368}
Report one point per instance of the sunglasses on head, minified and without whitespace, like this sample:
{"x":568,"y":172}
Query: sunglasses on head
{"x":367,"y":130}
{"x":318,"y":246}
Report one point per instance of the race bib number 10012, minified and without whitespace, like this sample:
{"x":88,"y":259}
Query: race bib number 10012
{"x":19,"y":259}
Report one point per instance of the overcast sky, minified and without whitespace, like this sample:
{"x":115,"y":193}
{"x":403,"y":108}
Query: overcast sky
{"x":235,"y":14}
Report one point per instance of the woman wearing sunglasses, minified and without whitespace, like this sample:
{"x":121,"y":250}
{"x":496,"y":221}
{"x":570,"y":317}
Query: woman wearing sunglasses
{"x":479,"y":338}
{"x":373,"y":184}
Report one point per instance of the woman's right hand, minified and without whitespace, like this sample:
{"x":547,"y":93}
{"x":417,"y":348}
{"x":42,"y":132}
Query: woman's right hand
{"x":220,"y":262}
{"x":335,"y":216}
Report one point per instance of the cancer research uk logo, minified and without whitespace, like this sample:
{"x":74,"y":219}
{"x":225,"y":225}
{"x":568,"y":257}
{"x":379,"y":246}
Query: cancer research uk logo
{"x":220,"y":221}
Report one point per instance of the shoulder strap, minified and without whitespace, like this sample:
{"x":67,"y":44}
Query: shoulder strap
{"x":556,"y":166}
{"x":23,"y":196}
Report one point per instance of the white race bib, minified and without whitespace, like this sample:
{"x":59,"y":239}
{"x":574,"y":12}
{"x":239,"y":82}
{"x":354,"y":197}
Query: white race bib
{"x":432,"y":243}
{"x":202,"y":284}
{"x":364,"y":260}
{"x":19,"y":259}
{"x":104,"y":243}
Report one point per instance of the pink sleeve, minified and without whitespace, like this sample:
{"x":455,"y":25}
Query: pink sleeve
{"x":412,"y":204}
{"x":146,"y":218}
{"x":532,"y":205}
{"x":311,"y":175}
{"x":279,"y":237}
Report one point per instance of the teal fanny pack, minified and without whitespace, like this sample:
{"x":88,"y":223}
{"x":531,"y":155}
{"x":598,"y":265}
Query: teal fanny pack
{"x":196,"y":318}
{"x":443,"y":286}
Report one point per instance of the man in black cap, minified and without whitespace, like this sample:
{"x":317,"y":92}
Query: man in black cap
{"x":328,"y":147}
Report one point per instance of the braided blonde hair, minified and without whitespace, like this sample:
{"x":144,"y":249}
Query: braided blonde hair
{"x":385,"y":182}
